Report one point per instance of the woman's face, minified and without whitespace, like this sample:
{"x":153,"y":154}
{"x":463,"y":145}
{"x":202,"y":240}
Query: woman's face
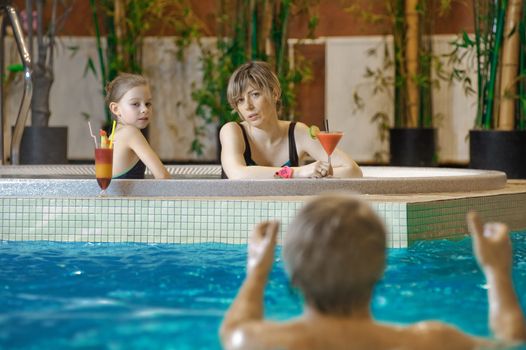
{"x":255,"y":107}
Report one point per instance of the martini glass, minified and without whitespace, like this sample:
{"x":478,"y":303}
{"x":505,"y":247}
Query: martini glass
{"x":329,"y":140}
{"x":103,"y":167}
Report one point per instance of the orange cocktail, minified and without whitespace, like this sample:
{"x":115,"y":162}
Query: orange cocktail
{"x":329,"y":140}
{"x":103,"y":166}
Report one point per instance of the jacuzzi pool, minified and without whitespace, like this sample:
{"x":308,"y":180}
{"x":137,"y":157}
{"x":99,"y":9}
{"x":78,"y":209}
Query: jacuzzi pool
{"x":62,"y":203}
{"x":199,"y":181}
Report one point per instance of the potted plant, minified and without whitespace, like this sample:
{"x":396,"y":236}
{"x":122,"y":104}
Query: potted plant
{"x":412,"y":137}
{"x":249,"y":30}
{"x":498,"y":140}
{"x":41,"y":143}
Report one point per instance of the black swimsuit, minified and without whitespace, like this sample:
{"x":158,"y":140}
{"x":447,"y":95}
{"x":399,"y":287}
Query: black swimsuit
{"x":293,"y":153}
{"x":136,"y":172}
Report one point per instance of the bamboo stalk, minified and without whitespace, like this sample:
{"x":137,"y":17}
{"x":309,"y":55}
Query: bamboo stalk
{"x":265,"y":27}
{"x":494,"y":60}
{"x":251,"y":29}
{"x":412,"y":49}
{"x":119,"y":20}
{"x":480,"y":75}
{"x":509,"y":66}
{"x":425,"y":117}
{"x":396,"y":10}
{"x":521,"y":122}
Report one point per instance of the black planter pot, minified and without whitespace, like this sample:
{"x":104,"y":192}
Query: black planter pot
{"x":413,"y":146}
{"x":498,"y":150}
{"x":44,"y":145}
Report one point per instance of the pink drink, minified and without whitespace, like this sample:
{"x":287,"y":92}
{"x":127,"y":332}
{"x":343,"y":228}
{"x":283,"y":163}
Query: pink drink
{"x":329,"y":140}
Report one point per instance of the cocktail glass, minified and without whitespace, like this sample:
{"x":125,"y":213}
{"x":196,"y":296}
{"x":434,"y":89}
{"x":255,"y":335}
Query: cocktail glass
{"x":103,"y":167}
{"x":329,"y":141}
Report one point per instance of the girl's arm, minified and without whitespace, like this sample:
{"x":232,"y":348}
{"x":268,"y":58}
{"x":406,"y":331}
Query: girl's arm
{"x":146,"y":154}
{"x":234,"y":165}
{"x":342,"y":163}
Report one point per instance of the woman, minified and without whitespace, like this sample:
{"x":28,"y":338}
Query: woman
{"x":261,"y":146}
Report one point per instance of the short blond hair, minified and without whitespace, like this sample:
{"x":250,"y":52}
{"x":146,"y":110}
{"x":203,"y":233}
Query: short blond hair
{"x":334,"y":252}
{"x":258,"y":74}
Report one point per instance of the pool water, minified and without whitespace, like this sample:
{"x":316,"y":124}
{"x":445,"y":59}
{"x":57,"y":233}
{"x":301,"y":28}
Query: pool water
{"x":131,"y":296}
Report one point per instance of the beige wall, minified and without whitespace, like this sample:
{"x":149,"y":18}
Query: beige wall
{"x":171,"y":132}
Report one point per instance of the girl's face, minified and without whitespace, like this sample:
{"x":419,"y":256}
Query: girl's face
{"x":135,"y":107}
{"x":255,"y":107}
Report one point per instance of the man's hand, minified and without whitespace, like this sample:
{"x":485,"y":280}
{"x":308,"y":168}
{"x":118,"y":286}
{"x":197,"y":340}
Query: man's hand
{"x":491,"y":243}
{"x":261,"y":246}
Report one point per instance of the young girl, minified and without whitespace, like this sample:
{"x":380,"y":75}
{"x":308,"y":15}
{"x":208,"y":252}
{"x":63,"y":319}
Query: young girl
{"x":130,"y":101}
{"x":262,"y":146}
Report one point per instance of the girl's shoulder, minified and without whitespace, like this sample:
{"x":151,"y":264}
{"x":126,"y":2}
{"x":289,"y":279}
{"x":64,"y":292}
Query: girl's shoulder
{"x":127,"y":129}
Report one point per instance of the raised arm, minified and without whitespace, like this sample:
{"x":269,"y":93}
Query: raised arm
{"x":492,"y":248}
{"x":144,"y":151}
{"x":248,"y":304}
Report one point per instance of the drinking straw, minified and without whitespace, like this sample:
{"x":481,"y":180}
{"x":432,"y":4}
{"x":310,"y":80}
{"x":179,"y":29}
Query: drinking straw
{"x":326,"y":121}
{"x":112,"y":133}
{"x":91,"y":132}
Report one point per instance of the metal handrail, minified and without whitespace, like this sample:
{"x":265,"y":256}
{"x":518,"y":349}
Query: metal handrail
{"x":23,"y":112}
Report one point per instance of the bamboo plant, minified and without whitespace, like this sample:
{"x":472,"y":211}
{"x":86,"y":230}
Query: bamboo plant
{"x":126,"y":23}
{"x":499,"y":44}
{"x":248,"y":30}
{"x":413,"y":60}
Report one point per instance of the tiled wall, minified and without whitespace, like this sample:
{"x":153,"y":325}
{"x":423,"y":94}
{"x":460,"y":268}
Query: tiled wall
{"x":446,"y":218}
{"x":191,"y":220}
{"x":157,"y":220}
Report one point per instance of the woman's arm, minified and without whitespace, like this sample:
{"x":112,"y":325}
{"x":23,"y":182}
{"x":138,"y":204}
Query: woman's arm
{"x":146,"y":154}
{"x":342,"y":163}
{"x":234,"y":165}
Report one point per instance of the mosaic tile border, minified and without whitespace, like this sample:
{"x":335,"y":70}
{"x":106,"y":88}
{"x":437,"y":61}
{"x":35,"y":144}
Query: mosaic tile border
{"x":157,"y":220}
{"x":445,"y":219}
{"x":195,"y":220}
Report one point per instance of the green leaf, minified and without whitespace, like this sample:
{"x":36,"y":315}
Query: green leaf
{"x":90,"y":67}
{"x":73,"y":49}
{"x":15,"y":68}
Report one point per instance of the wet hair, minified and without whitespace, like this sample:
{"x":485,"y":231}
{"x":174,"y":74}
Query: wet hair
{"x":256,"y":74}
{"x":123,"y":83}
{"x":334,"y":252}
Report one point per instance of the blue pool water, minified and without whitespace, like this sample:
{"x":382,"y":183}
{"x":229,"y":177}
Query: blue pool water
{"x":138,"y":296}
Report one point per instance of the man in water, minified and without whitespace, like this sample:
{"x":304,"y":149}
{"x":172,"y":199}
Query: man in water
{"x":334,"y":252}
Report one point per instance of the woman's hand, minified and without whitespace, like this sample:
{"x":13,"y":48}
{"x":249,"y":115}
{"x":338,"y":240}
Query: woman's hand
{"x":316,"y":169}
{"x":491,"y":243}
{"x":261,"y":246}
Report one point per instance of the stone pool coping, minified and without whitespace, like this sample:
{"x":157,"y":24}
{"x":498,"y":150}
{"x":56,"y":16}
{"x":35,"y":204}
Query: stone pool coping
{"x":377,"y":180}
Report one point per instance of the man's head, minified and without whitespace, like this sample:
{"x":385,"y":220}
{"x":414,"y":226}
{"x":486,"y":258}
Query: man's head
{"x":334,"y":251}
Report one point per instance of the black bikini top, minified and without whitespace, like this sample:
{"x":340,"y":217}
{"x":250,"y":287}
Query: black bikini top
{"x":136,"y":172}
{"x":247,"y":155}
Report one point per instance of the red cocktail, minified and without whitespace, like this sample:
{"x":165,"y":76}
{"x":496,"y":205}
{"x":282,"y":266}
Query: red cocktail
{"x":103,"y":167}
{"x":329,"y":141}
